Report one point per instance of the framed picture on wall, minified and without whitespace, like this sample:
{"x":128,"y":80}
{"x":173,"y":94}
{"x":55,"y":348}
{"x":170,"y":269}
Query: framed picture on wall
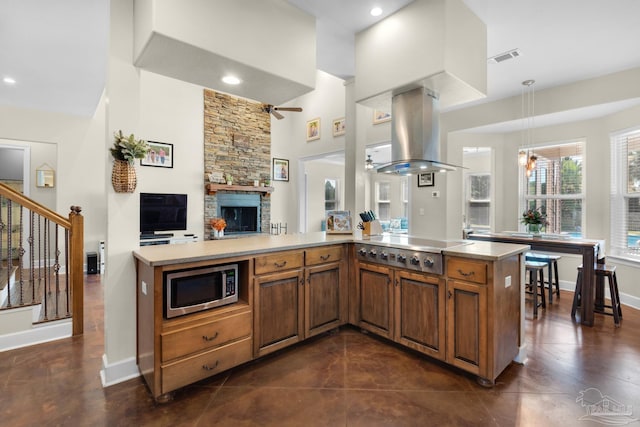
{"x":338,"y":127}
{"x":425,"y":179}
{"x":280,"y":169}
{"x":160,"y":155}
{"x":313,"y":129}
{"x":380,"y":116}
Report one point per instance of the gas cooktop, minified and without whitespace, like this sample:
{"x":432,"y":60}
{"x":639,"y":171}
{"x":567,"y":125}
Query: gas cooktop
{"x":416,"y":243}
{"x":408,"y":252}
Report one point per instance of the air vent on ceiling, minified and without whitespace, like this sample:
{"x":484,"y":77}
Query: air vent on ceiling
{"x":510,"y":54}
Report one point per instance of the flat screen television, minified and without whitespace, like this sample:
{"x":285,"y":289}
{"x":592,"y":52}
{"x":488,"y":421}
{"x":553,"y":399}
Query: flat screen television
{"x":162,"y":212}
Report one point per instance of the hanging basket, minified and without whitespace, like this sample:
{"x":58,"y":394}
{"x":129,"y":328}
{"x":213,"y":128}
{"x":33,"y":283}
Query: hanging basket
{"x":123,"y":177}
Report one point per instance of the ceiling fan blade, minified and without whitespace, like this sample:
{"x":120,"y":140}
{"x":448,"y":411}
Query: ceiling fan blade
{"x":276,"y":114}
{"x":298,"y":109}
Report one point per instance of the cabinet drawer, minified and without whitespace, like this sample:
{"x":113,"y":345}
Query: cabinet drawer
{"x":196,"y":368}
{"x":208,"y":335}
{"x":278,"y":262}
{"x":467,"y":269}
{"x":323,"y":254}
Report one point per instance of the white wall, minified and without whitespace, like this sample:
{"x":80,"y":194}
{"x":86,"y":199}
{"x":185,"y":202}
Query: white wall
{"x":288,"y":141}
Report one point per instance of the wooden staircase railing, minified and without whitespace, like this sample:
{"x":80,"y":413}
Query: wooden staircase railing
{"x":41,"y":256}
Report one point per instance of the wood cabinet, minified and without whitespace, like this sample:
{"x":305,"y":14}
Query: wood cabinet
{"x":278,"y":321}
{"x":306,"y":297}
{"x":483,"y":315}
{"x":469,"y":318}
{"x":420,"y":312}
{"x":375,"y":298}
{"x":172,"y":353}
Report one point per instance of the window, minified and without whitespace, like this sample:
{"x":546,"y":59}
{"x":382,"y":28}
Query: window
{"x":556,"y":188}
{"x":625,"y":193}
{"x":383,"y":200}
{"x":331,"y":195}
{"x":478,"y":201}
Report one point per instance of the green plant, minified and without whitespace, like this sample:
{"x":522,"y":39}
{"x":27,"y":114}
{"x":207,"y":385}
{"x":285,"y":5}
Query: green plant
{"x":533,"y":216}
{"x":128,"y":148}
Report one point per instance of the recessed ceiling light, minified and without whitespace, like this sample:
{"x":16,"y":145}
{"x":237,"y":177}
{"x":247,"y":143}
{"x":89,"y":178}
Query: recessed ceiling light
{"x":9,"y":80}
{"x":231,"y":80}
{"x":376,"y":11}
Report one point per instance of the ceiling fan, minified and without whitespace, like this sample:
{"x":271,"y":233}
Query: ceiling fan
{"x":274,"y":110}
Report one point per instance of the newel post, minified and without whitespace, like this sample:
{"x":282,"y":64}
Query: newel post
{"x":76,"y":277}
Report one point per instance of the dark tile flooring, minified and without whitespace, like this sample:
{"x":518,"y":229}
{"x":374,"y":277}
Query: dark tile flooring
{"x":340,"y":379}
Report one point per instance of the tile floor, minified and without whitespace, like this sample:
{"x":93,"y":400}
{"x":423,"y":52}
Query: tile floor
{"x":345,"y":378}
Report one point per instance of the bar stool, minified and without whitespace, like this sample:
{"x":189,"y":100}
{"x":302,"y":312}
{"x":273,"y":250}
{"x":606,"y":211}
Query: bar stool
{"x":552,"y":263}
{"x":602,"y":271}
{"x":536,"y":268}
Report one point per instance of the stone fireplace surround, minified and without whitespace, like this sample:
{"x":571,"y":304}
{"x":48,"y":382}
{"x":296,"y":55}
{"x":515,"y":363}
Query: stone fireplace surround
{"x":237,"y":141}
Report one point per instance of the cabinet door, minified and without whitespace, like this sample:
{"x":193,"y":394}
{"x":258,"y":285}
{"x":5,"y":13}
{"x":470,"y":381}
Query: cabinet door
{"x":375,"y":299}
{"x":278,"y":319}
{"x":323,"y":299}
{"x":467,"y":326}
{"x":420,"y":312}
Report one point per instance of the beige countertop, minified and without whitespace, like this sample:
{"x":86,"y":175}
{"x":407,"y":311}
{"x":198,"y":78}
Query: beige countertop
{"x":219,"y":249}
{"x":156,"y":255}
{"x":486,"y":250}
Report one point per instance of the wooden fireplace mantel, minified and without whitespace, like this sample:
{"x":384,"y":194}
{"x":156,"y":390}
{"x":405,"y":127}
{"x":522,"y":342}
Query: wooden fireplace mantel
{"x":214,"y":188}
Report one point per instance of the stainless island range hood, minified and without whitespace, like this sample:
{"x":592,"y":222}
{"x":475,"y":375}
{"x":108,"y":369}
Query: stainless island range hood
{"x":415,"y":134}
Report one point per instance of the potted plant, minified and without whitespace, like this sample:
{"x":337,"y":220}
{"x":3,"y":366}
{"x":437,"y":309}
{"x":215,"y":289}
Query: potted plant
{"x":534,"y":220}
{"x":218,"y":225}
{"x":229,"y":179}
{"x":124,"y":151}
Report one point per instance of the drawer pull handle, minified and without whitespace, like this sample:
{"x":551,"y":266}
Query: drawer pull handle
{"x":280,"y":265}
{"x":210,"y":368}
{"x":469,"y":274}
{"x":206,"y":338}
{"x":450,"y":294}
{"x":325,"y":257}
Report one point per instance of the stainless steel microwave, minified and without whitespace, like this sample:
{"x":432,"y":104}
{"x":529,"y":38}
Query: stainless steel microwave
{"x":189,"y":291}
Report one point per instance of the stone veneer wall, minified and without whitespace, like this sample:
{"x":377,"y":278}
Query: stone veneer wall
{"x":237,"y":141}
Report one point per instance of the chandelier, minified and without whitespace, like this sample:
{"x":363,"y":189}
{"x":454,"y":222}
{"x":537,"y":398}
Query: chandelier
{"x":526,"y":157}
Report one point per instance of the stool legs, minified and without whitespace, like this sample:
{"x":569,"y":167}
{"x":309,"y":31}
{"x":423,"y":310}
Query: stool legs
{"x":599,"y":305}
{"x":537,"y":289}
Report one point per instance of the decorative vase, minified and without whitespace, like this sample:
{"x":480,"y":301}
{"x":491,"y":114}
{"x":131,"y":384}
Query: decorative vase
{"x":123,"y":177}
{"x":534,"y":229}
{"x":218,"y":234}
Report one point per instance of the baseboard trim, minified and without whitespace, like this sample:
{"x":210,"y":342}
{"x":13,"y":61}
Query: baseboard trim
{"x":118,"y":372}
{"x":39,"y":334}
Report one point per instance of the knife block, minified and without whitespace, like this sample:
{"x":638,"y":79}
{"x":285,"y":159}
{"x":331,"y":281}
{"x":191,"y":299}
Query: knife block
{"x":372,"y":228}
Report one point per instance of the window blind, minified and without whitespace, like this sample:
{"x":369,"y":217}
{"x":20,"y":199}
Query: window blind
{"x":625,"y":193}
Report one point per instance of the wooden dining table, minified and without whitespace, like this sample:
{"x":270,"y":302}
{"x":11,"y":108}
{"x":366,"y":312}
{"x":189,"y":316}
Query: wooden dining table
{"x":590,"y":250}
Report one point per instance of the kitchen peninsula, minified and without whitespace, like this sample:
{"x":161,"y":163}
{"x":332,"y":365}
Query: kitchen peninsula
{"x":464,"y":308}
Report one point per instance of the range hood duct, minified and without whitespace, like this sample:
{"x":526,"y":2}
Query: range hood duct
{"x":415,"y":134}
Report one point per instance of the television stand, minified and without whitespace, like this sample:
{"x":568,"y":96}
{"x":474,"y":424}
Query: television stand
{"x":156,"y":236}
{"x":165,"y":239}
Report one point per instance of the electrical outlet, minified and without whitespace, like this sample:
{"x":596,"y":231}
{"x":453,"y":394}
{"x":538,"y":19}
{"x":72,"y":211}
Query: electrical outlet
{"x":507,"y":281}
{"x":144,"y":287}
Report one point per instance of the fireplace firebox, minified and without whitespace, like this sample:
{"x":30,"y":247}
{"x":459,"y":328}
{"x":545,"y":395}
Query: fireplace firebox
{"x":241,"y":212}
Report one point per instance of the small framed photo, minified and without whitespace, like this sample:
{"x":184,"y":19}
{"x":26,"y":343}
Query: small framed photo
{"x":313,"y":129}
{"x":380,"y":116}
{"x":160,"y":155}
{"x":338,"y":127}
{"x":425,"y":179}
{"x":280,"y":169}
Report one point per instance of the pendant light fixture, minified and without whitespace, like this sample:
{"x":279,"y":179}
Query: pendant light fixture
{"x":526,"y":157}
